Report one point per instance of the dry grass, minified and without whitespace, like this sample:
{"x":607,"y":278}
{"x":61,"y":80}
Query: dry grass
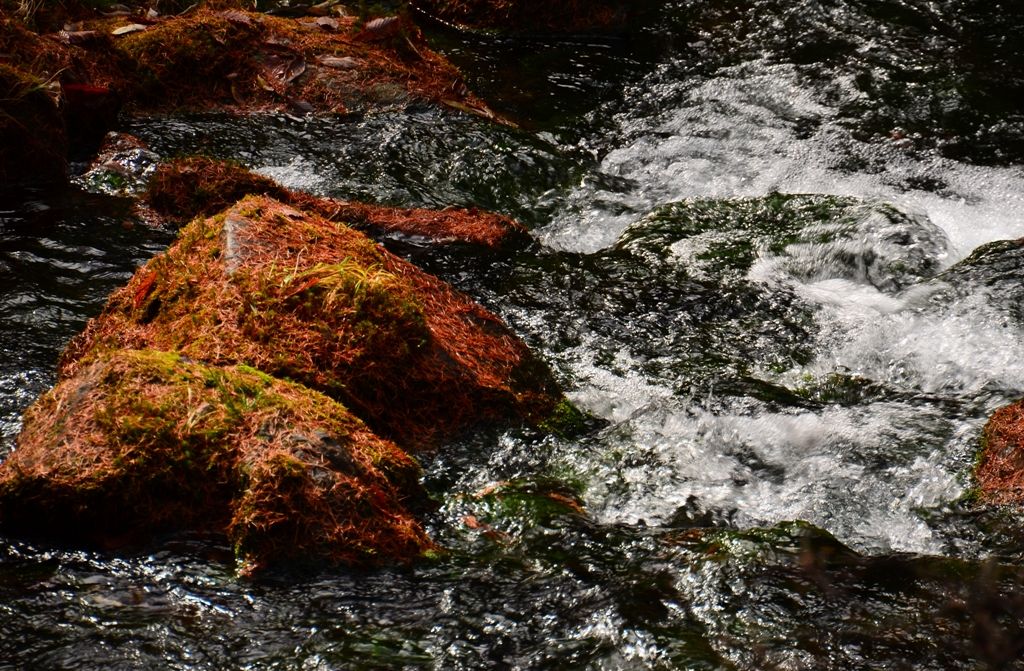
{"x":1000,"y":473}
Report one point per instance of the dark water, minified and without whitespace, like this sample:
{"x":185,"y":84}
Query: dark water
{"x":791,"y":386}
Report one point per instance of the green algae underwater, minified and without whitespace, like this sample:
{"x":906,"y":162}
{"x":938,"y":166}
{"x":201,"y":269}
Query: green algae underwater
{"x":753,"y":225}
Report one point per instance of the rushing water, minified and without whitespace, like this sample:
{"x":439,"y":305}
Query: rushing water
{"x":750,"y":220}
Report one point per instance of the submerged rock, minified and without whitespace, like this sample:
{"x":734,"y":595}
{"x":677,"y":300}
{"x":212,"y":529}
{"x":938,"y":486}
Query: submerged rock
{"x":122,"y":167}
{"x":1000,"y":468}
{"x":187,"y":187}
{"x":137,"y":442}
{"x":305,"y":298}
{"x":806,"y":237}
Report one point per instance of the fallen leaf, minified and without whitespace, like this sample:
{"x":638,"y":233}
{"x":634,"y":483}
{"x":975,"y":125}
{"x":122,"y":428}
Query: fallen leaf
{"x":301,"y":106}
{"x":381,"y":24}
{"x":263,"y":84}
{"x":77,"y":36}
{"x":283,"y":69}
{"x":237,"y":17}
{"x":277,"y":41}
{"x":328,"y":23}
{"x":127,"y":30}
{"x":322,"y":8}
{"x":380,"y":29}
{"x":339,"y":62}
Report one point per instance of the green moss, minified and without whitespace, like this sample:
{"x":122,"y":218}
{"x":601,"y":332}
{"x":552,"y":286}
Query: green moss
{"x":566,"y":420}
{"x":520,"y":505}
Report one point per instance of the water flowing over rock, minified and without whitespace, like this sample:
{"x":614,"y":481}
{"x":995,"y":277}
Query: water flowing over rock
{"x":187,"y":187}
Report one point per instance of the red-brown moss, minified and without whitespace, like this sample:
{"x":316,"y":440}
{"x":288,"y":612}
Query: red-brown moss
{"x":1000,"y":470}
{"x":211,"y":58}
{"x":193,"y":186}
{"x":139,"y":442}
{"x":315,"y":301}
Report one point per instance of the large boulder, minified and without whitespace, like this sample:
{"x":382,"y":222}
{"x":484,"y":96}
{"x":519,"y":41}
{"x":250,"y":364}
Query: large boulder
{"x":311,"y":300}
{"x":1000,"y":468}
{"x":137,"y":442}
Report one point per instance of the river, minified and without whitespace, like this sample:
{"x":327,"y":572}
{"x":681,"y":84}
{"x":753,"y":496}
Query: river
{"x":748,"y":219}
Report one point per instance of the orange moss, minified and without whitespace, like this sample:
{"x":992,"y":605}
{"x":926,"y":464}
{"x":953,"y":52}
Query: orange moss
{"x":142,"y":441}
{"x":451,"y":224}
{"x":312,"y":300}
{"x":193,"y":186}
{"x":56,"y":58}
{"x":559,"y":16}
{"x":1000,"y":471}
{"x":191,"y":61}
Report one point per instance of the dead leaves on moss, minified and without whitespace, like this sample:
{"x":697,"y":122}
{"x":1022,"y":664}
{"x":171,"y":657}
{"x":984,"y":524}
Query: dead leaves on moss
{"x":230,"y":58}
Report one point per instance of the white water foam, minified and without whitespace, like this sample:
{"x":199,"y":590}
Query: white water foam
{"x":738,"y":135}
{"x":862,"y":472}
{"x":856,"y":471}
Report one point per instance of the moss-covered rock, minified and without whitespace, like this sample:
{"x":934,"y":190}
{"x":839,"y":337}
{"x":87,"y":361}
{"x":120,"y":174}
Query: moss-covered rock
{"x":143,"y":441}
{"x":231,"y":58}
{"x":68,"y":88}
{"x":187,"y":187}
{"x":317,"y":302}
{"x":1000,"y":467}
